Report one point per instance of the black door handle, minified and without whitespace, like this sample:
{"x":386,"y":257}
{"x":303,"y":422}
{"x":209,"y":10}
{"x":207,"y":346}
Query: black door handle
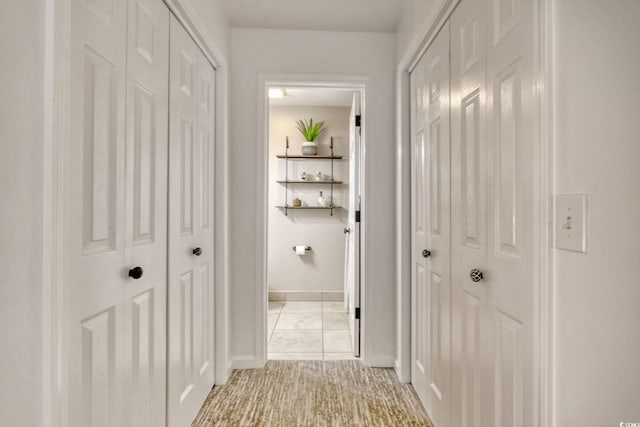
{"x":136,"y":272}
{"x":426,"y":253}
{"x":197,"y":251}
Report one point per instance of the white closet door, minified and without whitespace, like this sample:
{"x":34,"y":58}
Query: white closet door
{"x":146,"y":210}
{"x":469,"y":145}
{"x":95,"y":264}
{"x":190,"y":292}
{"x":419,"y":217}
{"x":431,"y":230}
{"x":116,"y":210}
{"x":511,"y":209}
{"x":439,"y":228}
{"x":494,"y":163}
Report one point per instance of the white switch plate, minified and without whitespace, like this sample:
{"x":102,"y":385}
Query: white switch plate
{"x":571,"y":222}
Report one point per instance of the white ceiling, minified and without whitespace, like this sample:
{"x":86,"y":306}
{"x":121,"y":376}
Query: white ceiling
{"x":315,"y":97}
{"x":319,"y":15}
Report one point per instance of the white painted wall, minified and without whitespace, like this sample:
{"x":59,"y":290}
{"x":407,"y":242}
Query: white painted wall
{"x":414,"y":22}
{"x":321,"y":269}
{"x":211,"y":16}
{"x":258,"y":52}
{"x":21,"y":212}
{"x":597,"y":319}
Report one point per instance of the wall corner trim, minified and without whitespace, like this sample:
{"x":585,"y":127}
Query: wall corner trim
{"x":189,"y":19}
{"x":426,"y":36}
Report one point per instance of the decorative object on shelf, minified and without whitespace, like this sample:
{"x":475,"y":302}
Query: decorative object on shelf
{"x":310,"y":131}
{"x":306,"y":178}
{"x":322,"y":202}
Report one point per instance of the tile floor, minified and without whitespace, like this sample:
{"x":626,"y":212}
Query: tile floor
{"x":308,"y":330}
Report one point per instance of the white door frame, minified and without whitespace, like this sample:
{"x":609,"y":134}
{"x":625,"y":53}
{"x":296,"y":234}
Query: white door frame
{"x":55,"y":163}
{"x":543,"y":303}
{"x":355,"y":83}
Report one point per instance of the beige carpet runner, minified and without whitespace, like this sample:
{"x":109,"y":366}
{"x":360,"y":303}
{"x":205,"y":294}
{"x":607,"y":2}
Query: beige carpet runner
{"x":312,"y":393}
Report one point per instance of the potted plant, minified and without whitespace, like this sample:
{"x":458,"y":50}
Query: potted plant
{"x":310,"y":131}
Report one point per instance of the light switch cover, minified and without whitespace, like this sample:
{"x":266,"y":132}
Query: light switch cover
{"x":571,"y":222}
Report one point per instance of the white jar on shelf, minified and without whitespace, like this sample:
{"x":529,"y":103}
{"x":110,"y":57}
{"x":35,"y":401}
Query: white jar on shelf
{"x":322,"y":202}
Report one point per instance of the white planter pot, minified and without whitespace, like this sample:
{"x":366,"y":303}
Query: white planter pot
{"x":309,"y":148}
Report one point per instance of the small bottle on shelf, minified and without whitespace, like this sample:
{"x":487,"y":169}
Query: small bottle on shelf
{"x":322,"y":202}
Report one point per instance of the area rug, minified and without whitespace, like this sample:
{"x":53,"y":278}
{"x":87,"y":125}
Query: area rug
{"x":313,"y":393}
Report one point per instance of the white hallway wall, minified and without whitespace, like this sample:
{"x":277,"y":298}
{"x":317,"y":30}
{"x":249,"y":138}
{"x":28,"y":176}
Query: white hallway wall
{"x":321,"y":269}
{"x":597,"y":69}
{"x":255,"y":52}
{"x":22,"y":185}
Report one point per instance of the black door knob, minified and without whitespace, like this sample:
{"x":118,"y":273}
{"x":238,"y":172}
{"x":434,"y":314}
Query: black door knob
{"x":136,"y":272}
{"x":476,"y":275}
{"x":426,"y":253}
{"x":347,"y":230}
{"x":197,"y":251}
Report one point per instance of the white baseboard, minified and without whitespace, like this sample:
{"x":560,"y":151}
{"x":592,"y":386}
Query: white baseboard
{"x":244,"y":362}
{"x":380,"y":361}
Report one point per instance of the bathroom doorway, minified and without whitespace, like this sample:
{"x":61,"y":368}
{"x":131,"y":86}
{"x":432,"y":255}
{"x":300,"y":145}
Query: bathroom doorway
{"x":313,"y":228}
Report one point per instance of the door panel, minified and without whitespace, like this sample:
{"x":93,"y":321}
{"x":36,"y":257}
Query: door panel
{"x":190,"y":298}
{"x":116,"y":213}
{"x":472,"y":378}
{"x":94,"y":210}
{"x":510,"y":240}
{"x":419,"y":209}
{"x":146,"y":210}
{"x":439,"y":226}
{"x":492,"y":204}
{"x":431,"y":286}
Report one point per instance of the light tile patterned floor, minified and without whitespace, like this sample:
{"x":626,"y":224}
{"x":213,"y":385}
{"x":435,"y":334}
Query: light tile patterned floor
{"x":309,"y":330}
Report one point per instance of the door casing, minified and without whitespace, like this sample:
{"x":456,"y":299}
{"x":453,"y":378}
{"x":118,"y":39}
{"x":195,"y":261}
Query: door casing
{"x":354,"y":83}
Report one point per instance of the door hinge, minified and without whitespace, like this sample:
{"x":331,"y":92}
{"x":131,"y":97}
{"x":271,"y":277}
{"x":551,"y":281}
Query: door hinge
{"x":357,"y":313}
{"x":358,"y":120}
{"x":357,"y":216}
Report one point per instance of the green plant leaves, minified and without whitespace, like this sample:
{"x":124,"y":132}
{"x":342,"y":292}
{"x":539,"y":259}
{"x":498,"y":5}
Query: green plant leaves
{"x":309,"y":129}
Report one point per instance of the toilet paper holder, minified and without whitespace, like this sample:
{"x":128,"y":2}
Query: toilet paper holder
{"x":306,"y":248}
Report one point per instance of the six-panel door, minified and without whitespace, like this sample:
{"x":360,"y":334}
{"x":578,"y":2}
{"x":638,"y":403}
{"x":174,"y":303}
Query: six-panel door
{"x":492,"y":205}
{"x":190,"y":292}
{"x":115,"y":211}
{"x":431,"y":283}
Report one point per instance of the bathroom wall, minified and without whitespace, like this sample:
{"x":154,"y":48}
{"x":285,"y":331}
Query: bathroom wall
{"x":322,"y":268}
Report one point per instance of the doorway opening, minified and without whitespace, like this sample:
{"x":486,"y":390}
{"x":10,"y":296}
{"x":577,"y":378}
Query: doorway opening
{"x":313,"y":228}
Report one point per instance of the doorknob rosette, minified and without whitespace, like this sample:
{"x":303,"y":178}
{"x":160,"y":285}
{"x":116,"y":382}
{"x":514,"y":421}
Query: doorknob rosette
{"x":476,"y":275}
